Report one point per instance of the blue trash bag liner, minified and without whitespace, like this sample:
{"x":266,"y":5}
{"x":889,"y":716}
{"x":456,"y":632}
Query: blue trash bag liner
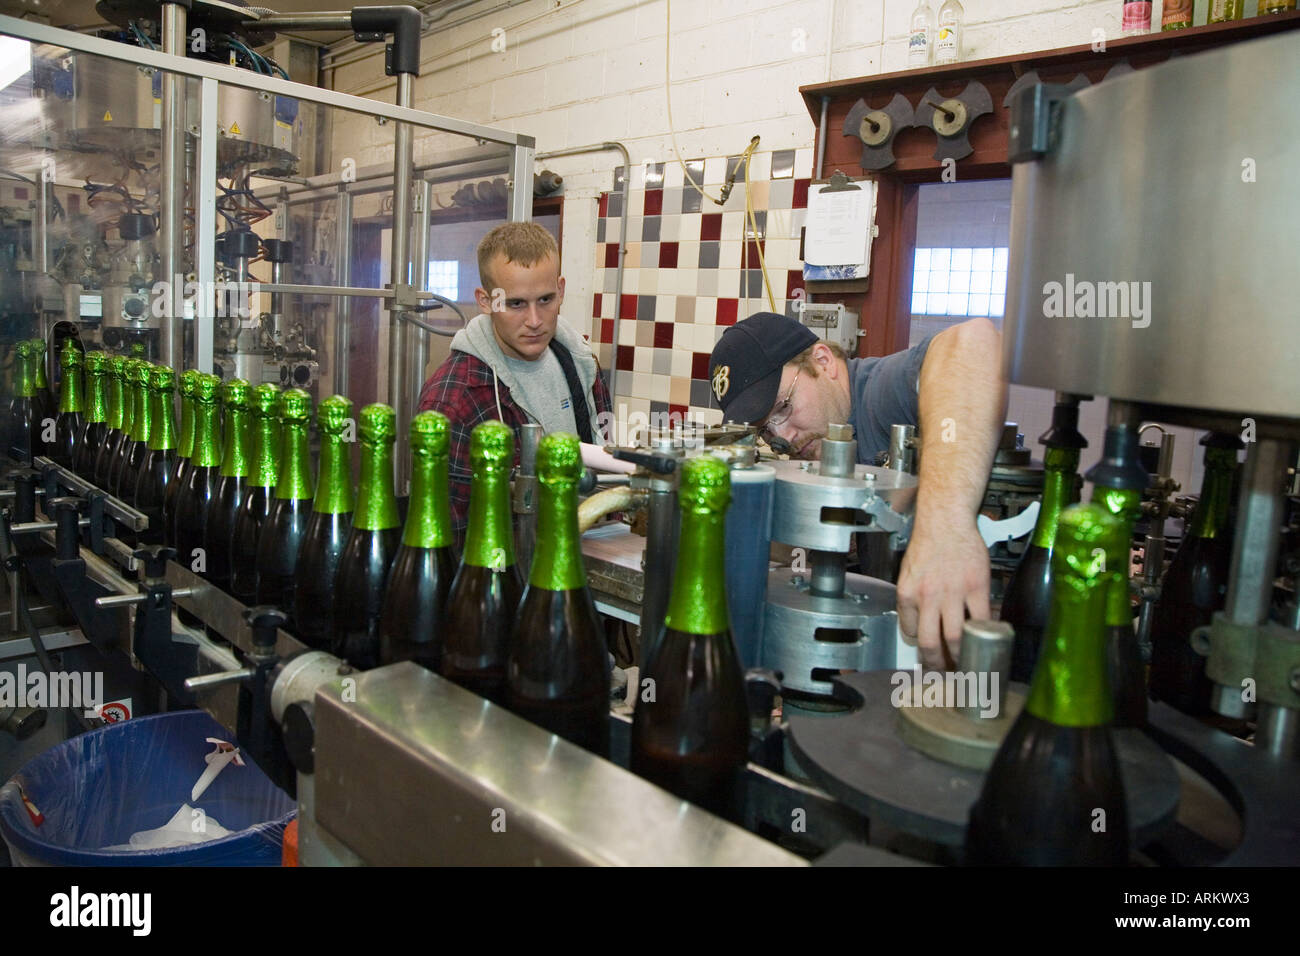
{"x":98,"y":788}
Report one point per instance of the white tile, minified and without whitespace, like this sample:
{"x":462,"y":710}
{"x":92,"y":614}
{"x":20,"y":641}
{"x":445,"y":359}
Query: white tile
{"x":803,"y":161}
{"x":631,"y":280}
{"x":641,"y":385}
{"x":648,"y":280}
{"x":688,"y":230}
{"x":673,"y":174}
{"x":627,"y":332}
{"x":668,"y":228}
{"x":729,"y":254}
{"x":681,"y":363}
{"x":643,"y":359}
{"x":665,"y":305}
{"x":715,"y":172}
{"x":760,"y":166}
{"x":706,"y":313}
{"x":660,"y":386}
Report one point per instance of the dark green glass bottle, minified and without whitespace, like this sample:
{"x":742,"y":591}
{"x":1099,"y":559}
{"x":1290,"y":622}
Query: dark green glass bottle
{"x":1195,"y":585}
{"x":372,"y":543}
{"x":1028,"y":596}
{"x":236,"y":468}
{"x":690,"y":730}
{"x":258,"y":495}
{"x":279,"y":543}
{"x":327,"y":527}
{"x":201,"y":479}
{"x":22,"y":412}
{"x":189,"y":383}
{"x":113,"y":439}
{"x":159,"y":465}
{"x":42,"y":400}
{"x":411,"y":623}
{"x":71,"y":421}
{"x":137,"y":446}
{"x":1054,"y":795}
{"x":557,"y":671}
{"x":130,"y":383}
{"x":95,"y":429}
{"x":485,"y":593}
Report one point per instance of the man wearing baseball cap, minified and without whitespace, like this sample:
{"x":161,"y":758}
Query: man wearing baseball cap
{"x":772,"y":371}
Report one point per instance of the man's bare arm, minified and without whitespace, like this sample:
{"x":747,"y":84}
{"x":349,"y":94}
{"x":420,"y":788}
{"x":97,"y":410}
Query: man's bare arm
{"x":945,"y":571}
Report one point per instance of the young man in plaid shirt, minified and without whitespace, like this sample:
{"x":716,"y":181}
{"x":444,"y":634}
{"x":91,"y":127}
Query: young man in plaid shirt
{"x":517,"y":361}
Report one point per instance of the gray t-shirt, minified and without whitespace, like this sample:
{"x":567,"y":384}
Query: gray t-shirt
{"x":541,"y":389}
{"x":885,"y":391}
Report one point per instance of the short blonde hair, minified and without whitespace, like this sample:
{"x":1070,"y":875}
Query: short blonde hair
{"x":805,"y":361}
{"x":525,"y":243}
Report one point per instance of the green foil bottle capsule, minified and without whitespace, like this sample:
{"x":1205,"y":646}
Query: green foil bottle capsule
{"x":71,"y":422}
{"x":159,"y":464}
{"x":372,"y":544}
{"x":130,"y":407}
{"x":22,"y":424}
{"x":328,"y":527}
{"x":280,"y":542}
{"x":485,"y":593}
{"x":141,"y":428}
{"x":411,"y":623}
{"x":116,"y":408}
{"x":1054,"y":795}
{"x":42,"y":398}
{"x":236,"y":468}
{"x":95,"y":431}
{"x":692,"y":738}
{"x":259,"y":494}
{"x":201,"y":479}
{"x":188,"y":384}
{"x":557,"y":671}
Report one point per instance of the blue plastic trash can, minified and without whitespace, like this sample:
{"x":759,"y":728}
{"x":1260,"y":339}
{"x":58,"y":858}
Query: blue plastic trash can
{"x":98,"y":788}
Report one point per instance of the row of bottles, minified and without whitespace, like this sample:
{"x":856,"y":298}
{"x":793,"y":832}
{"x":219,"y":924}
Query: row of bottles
{"x":935,"y":40}
{"x":1179,"y":14}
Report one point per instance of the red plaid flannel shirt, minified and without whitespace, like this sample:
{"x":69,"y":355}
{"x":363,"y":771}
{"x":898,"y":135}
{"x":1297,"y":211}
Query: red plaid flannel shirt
{"x":462,"y":389}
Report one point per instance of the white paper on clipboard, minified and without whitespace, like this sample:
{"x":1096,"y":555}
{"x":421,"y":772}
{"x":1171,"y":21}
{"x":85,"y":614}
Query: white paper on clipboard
{"x":839,"y":225}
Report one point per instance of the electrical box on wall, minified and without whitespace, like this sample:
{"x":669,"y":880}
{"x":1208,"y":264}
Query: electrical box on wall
{"x":832,"y":323}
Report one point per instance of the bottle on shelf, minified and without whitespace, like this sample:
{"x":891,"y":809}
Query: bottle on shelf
{"x":280,"y":540}
{"x":259,"y":494}
{"x":159,"y":464}
{"x":1054,"y":795}
{"x":411,"y":623}
{"x":1028,"y":597}
{"x":327,"y":527}
{"x":690,"y":729}
{"x":951,"y":33}
{"x":200,"y":480}
{"x":95,"y":428}
{"x":1136,"y":16}
{"x":189,"y":383}
{"x":372,"y":543}
{"x":1195,"y":585}
{"x":113,"y":433}
{"x":485,"y":592}
{"x":1268,"y":7}
{"x":1224,"y":11}
{"x":557,"y":670}
{"x":71,"y":422}
{"x":1176,"y":15}
{"x":920,"y":36}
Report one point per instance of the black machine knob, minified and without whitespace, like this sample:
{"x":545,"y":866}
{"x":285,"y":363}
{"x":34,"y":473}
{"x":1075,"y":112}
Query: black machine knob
{"x":265,"y":620}
{"x":278,"y":250}
{"x":155,"y":558}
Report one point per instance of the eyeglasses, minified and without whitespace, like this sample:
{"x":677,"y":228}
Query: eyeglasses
{"x":783,"y":410}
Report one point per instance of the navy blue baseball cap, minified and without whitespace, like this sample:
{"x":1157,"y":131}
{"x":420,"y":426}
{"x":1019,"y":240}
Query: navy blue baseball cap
{"x":745,"y":367}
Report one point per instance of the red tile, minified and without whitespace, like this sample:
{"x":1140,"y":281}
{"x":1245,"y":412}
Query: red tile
{"x":667,"y":255}
{"x":793,"y":280}
{"x":625,"y":355}
{"x":680,"y":411}
{"x":604,"y":204}
{"x":727,"y":311}
{"x":595,"y":305}
{"x":752,"y":250}
{"x":663,"y":335}
{"x":627,"y":307}
{"x":801,"y":193}
{"x":654,"y":202}
{"x":607,"y":330}
{"x":700,"y":365}
{"x":611,"y":255}
{"x":711,"y":227}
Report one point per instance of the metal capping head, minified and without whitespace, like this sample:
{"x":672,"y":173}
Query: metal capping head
{"x":293,"y":405}
{"x":430,"y":434}
{"x":237,"y":393}
{"x":559,"y":458}
{"x":333,"y":413}
{"x":378,"y":424}
{"x":206,"y":388}
{"x":162,"y":378}
{"x":492,"y":444}
{"x":705,"y":485}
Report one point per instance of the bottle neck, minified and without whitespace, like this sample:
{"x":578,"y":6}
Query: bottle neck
{"x":1060,"y":465}
{"x":114,"y":402}
{"x":70,"y":399}
{"x":186,"y":447}
{"x":162,"y":434}
{"x":206,"y":439}
{"x":377,"y":495}
{"x":557,"y":557}
{"x":143,"y":425}
{"x":128,"y":408}
{"x":97,"y":400}
{"x":489,"y":539}
{"x":1124,"y":504}
{"x":697,"y":604}
{"x":26,"y":381}
{"x":235,"y":458}
{"x":428,"y":518}
{"x":334,"y":490}
{"x":38,"y":370}
{"x":266,"y":451}
{"x":294,"y":480}
{"x":1211,"y":515}
{"x":1070,"y":687}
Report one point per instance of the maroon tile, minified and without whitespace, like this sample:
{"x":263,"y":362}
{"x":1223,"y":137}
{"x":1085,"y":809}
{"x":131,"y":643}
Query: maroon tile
{"x":679,"y":410}
{"x":793,"y":280}
{"x":627,"y":307}
{"x":611,"y":255}
{"x":801,"y":193}
{"x":752,"y":249}
{"x":604,"y":204}
{"x":626,"y":353}
{"x":607,"y":330}
{"x":700,"y":365}
{"x":711,"y":227}
{"x":595,"y":305}
{"x":654,"y":202}
{"x":727,"y":311}
{"x":667,"y":255}
{"x":663,"y":335}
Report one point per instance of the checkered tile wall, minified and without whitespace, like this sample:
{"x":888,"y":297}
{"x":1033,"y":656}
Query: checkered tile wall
{"x":691,"y":269}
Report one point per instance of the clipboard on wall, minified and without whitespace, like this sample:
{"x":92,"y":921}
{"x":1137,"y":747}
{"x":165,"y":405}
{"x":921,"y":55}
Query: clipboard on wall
{"x":841,"y":224}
